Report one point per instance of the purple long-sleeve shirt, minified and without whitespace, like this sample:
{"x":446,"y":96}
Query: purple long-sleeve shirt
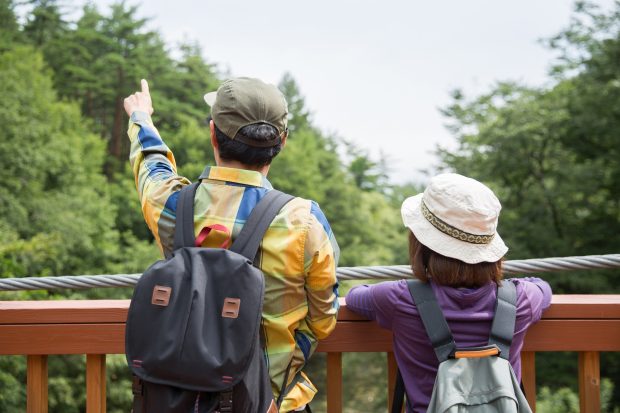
{"x":469,"y":313}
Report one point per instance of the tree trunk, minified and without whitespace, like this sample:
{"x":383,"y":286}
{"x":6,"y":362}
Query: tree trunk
{"x":117,"y":126}
{"x":117,"y":132}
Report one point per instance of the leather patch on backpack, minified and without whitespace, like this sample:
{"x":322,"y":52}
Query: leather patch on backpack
{"x":272,"y":408}
{"x":231,"y":307}
{"x":161,"y":295}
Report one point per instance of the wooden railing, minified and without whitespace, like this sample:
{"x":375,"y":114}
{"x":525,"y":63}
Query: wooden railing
{"x":588,"y":324}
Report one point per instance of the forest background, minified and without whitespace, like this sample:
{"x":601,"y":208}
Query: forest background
{"x":68,"y":203}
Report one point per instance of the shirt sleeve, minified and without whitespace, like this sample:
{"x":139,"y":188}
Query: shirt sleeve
{"x":321,"y":253}
{"x":538,"y":294}
{"x":376,"y":302}
{"x":156,"y":178}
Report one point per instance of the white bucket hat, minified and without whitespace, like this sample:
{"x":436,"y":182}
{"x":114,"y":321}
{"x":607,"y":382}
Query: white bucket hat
{"x":456,"y":217}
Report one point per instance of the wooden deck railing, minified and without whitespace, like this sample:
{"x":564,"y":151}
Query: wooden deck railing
{"x":588,"y":324}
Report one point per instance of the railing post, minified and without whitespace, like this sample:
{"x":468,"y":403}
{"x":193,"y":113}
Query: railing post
{"x":589,"y":382}
{"x":95,"y":383}
{"x":334,"y":382}
{"x":528,"y":377}
{"x":36,"y":384}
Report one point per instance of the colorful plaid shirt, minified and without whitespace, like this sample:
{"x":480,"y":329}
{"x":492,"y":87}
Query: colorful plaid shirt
{"x":299,"y":251}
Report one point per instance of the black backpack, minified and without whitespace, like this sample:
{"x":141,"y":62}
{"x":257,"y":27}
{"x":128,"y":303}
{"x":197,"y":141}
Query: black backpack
{"x":193,"y":335}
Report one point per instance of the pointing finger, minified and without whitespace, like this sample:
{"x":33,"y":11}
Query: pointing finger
{"x":145,"y":86}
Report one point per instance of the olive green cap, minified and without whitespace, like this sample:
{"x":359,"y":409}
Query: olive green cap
{"x":245,"y":101}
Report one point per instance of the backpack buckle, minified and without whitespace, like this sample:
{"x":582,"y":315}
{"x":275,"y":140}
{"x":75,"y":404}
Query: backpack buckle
{"x":161,"y":295}
{"x":231,"y":307}
{"x":226,"y":402}
{"x":476,"y":352}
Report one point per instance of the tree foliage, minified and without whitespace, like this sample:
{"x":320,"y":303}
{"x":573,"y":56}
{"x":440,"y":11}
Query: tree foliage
{"x":68,"y":203}
{"x":54,"y":202}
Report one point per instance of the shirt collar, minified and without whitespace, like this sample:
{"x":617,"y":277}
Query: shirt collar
{"x":237,"y":176}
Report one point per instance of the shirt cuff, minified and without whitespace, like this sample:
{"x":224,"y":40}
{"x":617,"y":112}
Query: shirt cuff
{"x":139,"y":117}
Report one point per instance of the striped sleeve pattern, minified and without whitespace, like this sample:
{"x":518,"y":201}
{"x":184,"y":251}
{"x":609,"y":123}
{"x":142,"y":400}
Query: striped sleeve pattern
{"x":156,"y":178}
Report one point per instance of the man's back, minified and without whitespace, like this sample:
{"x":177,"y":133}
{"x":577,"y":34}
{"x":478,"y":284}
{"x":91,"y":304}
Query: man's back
{"x":298,"y":255}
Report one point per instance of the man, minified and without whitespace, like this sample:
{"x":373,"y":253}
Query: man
{"x":299,"y":253}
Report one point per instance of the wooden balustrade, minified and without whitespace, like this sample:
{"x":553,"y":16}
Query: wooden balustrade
{"x":588,"y":324}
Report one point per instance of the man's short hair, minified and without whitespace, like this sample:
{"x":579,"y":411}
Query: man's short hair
{"x":235,"y":150}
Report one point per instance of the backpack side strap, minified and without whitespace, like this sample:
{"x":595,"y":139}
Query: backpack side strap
{"x":433,"y":319}
{"x":254,"y":229}
{"x":503,"y":327}
{"x":184,"y":226}
{"x":399,"y":393}
{"x":138,"y":395}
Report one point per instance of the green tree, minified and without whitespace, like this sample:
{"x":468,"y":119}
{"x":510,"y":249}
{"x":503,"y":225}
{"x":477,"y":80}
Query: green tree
{"x":9,"y":30}
{"x":99,"y":62}
{"x":179,"y":91}
{"x":299,"y":115}
{"x":53,"y":197}
{"x":368,"y":175}
{"x":56,"y":216}
{"x":74,"y":59}
{"x":551,"y":156}
{"x":45,"y":22}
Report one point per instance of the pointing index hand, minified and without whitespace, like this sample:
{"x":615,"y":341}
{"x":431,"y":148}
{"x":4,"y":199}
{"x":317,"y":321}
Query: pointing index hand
{"x":139,"y":101}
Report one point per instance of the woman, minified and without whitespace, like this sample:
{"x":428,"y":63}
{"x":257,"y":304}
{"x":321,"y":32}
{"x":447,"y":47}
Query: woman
{"x":453,"y":245}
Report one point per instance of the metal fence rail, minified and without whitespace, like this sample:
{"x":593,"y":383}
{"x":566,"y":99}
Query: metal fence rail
{"x":392,"y":272}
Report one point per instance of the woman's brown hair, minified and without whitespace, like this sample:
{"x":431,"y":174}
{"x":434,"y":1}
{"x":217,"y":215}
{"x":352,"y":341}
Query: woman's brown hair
{"x":443,"y":270}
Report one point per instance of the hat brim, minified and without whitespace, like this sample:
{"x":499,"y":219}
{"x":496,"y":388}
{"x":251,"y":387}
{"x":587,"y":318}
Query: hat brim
{"x":210,"y":98}
{"x":444,"y":244}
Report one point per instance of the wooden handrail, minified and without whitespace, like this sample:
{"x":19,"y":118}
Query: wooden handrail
{"x":587,"y":324}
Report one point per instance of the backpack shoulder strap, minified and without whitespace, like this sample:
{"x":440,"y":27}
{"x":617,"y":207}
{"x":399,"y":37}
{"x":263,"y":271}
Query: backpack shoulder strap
{"x":262,"y":215}
{"x":436,"y":328}
{"x":433,"y":319}
{"x":184,"y":226}
{"x":503,"y":327}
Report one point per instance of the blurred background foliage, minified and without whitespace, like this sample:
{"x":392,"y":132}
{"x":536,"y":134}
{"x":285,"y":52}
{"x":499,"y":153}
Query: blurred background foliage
{"x":68,"y":202}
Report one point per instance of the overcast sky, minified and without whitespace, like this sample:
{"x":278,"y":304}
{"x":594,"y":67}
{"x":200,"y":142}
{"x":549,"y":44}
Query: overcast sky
{"x":373,"y":72}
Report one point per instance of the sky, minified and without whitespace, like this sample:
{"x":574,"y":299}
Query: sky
{"x":373,"y":72}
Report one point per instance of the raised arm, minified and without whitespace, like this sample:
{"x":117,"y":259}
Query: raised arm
{"x":154,"y":169}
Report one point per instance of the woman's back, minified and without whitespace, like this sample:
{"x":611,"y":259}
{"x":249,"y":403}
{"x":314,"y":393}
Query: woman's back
{"x":469,"y":313}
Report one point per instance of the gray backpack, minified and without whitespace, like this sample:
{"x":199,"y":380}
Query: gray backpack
{"x":479,"y":379}
{"x":193,"y":335}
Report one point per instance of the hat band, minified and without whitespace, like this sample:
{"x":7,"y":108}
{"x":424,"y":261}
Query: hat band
{"x":454,"y":232}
